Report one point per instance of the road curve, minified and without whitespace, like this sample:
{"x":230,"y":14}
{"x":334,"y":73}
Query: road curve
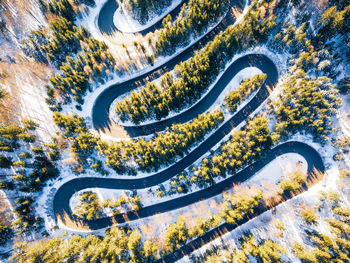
{"x":315,"y":165}
{"x":101,"y":120}
{"x":64,"y":214}
{"x":106,"y":24}
{"x":61,"y":199}
{"x":64,"y":193}
{"x":100,"y":110}
{"x":252,"y":60}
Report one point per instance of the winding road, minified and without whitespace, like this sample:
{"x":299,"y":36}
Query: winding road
{"x":101,"y":121}
{"x":100,"y":111}
{"x":105,"y":18}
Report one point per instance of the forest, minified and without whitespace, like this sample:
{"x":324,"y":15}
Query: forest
{"x":245,"y":88}
{"x":163,"y":148}
{"x":80,"y":58}
{"x":143,"y":10}
{"x":192,"y":78}
{"x":193,"y":20}
{"x":311,"y":53}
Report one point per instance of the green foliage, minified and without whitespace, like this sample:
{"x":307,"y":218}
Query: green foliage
{"x":237,"y":206}
{"x":193,"y":19}
{"x":3,"y":92}
{"x":309,"y":215}
{"x":84,"y":143}
{"x":114,"y":247}
{"x":267,"y":251}
{"x":37,"y":150}
{"x":19,"y":164}
{"x":62,"y":8}
{"x":263,"y":251}
{"x":91,"y":64}
{"x":306,"y":104}
{"x":64,"y":40}
{"x":343,"y":144}
{"x":342,"y":211}
{"x":25,"y":155}
{"x":60,"y":46}
{"x":71,"y":124}
{"x":246,"y":87}
{"x":244,"y":147}
{"x":125,"y":202}
{"x":192,"y":78}
{"x":142,"y":9}
{"x":292,"y":182}
{"x":163,"y":148}
{"x":26,"y":220}
{"x":7,"y":185}
{"x":279,"y":224}
{"x":333,"y":22}
{"x":29,"y":124}
{"x":176,"y":235}
{"x":12,"y":132}
{"x":89,"y":207}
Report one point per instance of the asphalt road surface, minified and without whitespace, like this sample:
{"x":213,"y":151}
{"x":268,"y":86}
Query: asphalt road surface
{"x":102,"y":121}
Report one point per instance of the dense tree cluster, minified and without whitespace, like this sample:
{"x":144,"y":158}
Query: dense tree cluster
{"x":88,"y":206}
{"x":246,"y":87}
{"x":119,"y":245}
{"x":292,"y":182}
{"x":191,"y":78}
{"x":80,"y":58}
{"x":26,"y":220}
{"x":40,"y":166}
{"x":125,"y":202}
{"x":63,"y":41}
{"x":333,"y":22}
{"x":128,"y":156}
{"x":193,"y":19}
{"x":30,"y":169}
{"x":261,"y":250}
{"x":70,"y":124}
{"x":244,"y":147}
{"x":68,"y":9}
{"x":62,"y":8}
{"x":82,"y":142}
{"x":5,"y":233}
{"x":142,"y":10}
{"x":163,"y":148}
{"x":126,"y":245}
{"x":306,"y":104}
{"x":240,"y":205}
{"x":92,"y":64}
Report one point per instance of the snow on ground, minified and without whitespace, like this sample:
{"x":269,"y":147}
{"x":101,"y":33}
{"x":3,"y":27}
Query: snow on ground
{"x":6,"y":211}
{"x":273,"y":172}
{"x":25,"y":81}
{"x":245,"y":73}
{"x":291,"y":161}
{"x":124,"y":22}
{"x":90,"y":98}
{"x":262,"y":227}
{"x":90,"y":22}
{"x":45,"y":201}
{"x":234,"y":83}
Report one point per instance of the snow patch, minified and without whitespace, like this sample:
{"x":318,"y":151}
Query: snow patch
{"x":125,"y":23}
